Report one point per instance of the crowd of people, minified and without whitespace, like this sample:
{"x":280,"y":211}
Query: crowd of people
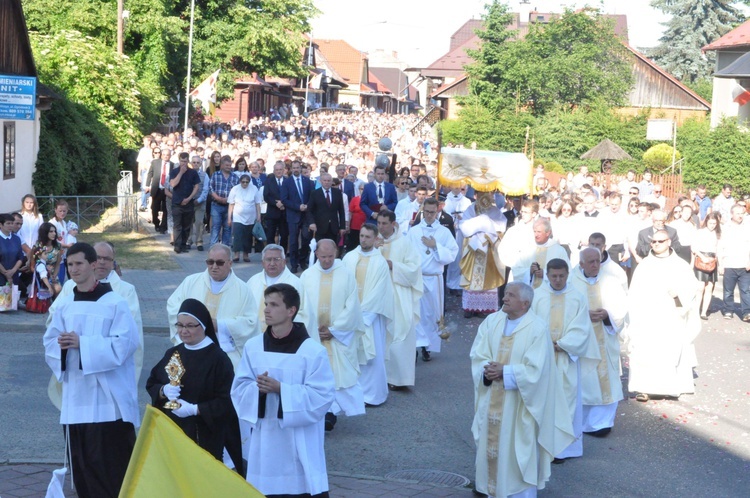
{"x":352,"y":288}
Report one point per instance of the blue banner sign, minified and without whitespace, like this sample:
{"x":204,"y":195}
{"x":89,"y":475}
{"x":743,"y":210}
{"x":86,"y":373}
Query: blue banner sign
{"x":17,"y":97}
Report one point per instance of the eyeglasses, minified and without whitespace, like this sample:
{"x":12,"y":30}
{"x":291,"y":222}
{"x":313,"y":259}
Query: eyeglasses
{"x":189,"y":326}
{"x":661,"y":241}
{"x":217,"y":262}
{"x":105,"y":258}
{"x":272,"y":260}
{"x":657,"y":191}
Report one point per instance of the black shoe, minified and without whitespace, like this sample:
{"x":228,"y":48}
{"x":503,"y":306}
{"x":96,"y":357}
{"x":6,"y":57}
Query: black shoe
{"x":601,"y":432}
{"x":746,"y":318}
{"x":468,"y":314}
{"x":185,"y":248}
{"x":177,"y":250}
{"x":171,"y":242}
{"x":200,"y":248}
{"x":330,"y":421}
{"x":558,"y":461}
{"x":425,"y":354}
{"x":728,"y":315}
{"x":396,"y":388}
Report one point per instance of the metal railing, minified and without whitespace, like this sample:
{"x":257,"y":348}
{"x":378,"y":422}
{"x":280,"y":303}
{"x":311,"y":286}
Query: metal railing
{"x":89,"y":210}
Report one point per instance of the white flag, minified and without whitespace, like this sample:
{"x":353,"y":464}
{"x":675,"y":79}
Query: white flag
{"x":206,"y":93}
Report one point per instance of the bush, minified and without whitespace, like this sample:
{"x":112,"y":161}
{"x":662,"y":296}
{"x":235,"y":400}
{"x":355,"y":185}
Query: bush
{"x":659,"y":157}
{"x":554,"y":167}
{"x":77,"y":154}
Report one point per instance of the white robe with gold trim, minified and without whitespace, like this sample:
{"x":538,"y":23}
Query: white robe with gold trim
{"x":258,"y":284}
{"x":346,"y":326}
{"x":233,"y":308}
{"x":376,"y":301}
{"x":406,"y":275}
{"x":533,"y":421}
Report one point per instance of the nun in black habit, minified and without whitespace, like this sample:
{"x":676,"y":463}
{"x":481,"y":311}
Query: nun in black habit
{"x":206,"y":413}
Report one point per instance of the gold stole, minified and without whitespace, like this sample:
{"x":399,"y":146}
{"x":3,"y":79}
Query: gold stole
{"x":361,"y":275}
{"x":212,"y":303}
{"x":556,"y":316}
{"x":385,"y":249}
{"x":495,"y":413}
{"x":602,"y":369}
{"x":541,"y":259}
{"x":324,"y":308}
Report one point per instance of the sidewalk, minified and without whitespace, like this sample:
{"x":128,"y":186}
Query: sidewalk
{"x":21,"y":480}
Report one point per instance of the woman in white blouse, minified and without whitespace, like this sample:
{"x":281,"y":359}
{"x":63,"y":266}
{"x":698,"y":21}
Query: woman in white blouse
{"x":705,"y":246}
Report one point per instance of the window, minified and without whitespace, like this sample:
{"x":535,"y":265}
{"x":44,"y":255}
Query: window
{"x":9,"y":150}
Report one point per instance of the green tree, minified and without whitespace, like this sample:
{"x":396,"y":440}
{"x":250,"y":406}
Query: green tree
{"x":573,"y":60}
{"x":714,"y":157}
{"x":693,"y":24}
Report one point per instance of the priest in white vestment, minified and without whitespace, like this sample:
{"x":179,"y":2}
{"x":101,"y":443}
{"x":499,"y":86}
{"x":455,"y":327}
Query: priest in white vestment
{"x":227,"y":298}
{"x":275,"y":271}
{"x":437,"y":248}
{"x":566,"y":312}
{"x":406,"y":274}
{"x":104,"y":273}
{"x":520,"y":421}
{"x":283,"y":389}
{"x":375,"y":292}
{"x":608,"y":265}
{"x":456,"y":205}
{"x":407,"y":208}
{"x":664,"y":321}
{"x":336,"y":316}
{"x":481,"y":269}
{"x":601,"y":387}
{"x":532,"y":262}
{"x":89,"y":346}
{"x":518,"y":240}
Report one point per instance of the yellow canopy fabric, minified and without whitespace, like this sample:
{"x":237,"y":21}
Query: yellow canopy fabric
{"x":165,"y":462}
{"x":485,"y":170}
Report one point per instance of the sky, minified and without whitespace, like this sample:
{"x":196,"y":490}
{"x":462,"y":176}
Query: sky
{"x":420,"y":30}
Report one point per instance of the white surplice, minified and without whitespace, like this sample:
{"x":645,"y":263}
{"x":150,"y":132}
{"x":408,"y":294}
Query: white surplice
{"x":457,"y":206}
{"x":99,"y":376}
{"x":433,"y":261}
{"x":287,"y":453}
{"x":517,"y":241}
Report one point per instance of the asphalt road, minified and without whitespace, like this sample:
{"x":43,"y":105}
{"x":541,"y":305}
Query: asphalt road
{"x":697,"y":446}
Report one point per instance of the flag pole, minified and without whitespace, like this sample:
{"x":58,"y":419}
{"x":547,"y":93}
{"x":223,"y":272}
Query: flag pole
{"x":309,"y":64}
{"x":190,"y":64}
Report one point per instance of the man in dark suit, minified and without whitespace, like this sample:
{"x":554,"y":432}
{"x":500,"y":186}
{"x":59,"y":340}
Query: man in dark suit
{"x":275,"y":217}
{"x":325,"y":213}
{"x":346,"y":186}
{"x":156,"y":179}
{"x":378,"y":195}
{"x":295,"y":195}
{"x":659,"y":219}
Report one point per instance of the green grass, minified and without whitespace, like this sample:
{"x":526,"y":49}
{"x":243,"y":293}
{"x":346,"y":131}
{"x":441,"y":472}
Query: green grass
{"x":135,"y":251}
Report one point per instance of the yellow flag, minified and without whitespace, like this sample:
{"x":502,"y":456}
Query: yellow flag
{"x":165,"y":462}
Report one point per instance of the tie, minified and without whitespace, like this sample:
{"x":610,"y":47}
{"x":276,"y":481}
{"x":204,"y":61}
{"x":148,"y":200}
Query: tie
{"x":279,"y":180}
{"x":380,"y":192}
{"x":163,"y":174}
{"x":299,"y":188}
{"x":328,"y":197}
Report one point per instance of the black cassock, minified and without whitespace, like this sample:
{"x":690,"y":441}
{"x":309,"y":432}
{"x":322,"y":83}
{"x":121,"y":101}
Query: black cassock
{"x":207,"y":382}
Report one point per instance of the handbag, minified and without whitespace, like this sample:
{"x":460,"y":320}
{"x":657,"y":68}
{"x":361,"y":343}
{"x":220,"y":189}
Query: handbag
{"x":6,"y":297}
{"x":258,"y":232}
{"x":705,"y":266}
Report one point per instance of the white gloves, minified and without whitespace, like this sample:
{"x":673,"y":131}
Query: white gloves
{"x":171,"y":392}
{"x":185,"y":410}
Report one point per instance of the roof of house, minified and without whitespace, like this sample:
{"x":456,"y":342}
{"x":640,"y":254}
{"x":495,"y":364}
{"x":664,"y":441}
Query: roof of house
{"x":668,"y":76}
{"x":738,"y":37}
{"x":456,"y":57}
{"x":16,"y":57}
{"x":737,"y":69}
{"x":331,"y":72}
{"x":345,"y":59}
{"x":378,"y":85}
{"x":437,"y":92}
{"x":393,"y":78}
